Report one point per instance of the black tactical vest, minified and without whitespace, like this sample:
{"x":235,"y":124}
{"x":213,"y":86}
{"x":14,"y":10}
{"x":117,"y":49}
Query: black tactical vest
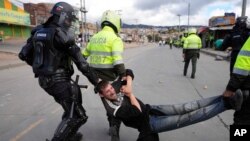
{"x":47,"y":59}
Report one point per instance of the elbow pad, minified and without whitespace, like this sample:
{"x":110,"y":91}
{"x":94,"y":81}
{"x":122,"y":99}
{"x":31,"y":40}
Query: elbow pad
{"x":120,"y":70}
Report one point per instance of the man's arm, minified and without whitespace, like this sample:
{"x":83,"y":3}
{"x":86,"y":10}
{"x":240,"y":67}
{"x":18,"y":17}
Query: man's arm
{"x":226,"y":43}
{"x":26,"y":53}
{"x":67,"y":43}
{"x":82,"y":64}
{"x":127,"y":90}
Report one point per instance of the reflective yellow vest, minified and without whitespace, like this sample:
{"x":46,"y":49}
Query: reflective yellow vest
{"x":242,"y":64}
{"x":192,"y":42}
{"x":104,"y":49}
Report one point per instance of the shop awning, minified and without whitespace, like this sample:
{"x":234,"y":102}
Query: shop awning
{"x":221,"y":28}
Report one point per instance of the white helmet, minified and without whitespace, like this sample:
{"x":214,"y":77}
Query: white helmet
{"x":192,"y":31}
{"x":111,"y":18}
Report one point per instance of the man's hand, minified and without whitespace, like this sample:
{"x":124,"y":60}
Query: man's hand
{"x":228,"y":93}
{"x":183,"y":55}
{"x":127,"y":89}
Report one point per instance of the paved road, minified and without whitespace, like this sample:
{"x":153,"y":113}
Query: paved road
{"x":27,"y":113}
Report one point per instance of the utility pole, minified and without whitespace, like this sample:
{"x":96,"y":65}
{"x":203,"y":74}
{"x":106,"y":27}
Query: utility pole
{"x":179,"y":29}
{"x":188,"y":13}
{"x":137,"y":34}
{"x":83,"y":11}
{"x":244,"y":3}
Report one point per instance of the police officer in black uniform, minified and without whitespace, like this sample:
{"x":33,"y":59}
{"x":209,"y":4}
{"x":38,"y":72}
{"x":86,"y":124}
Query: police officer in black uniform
{"x":236,"y":39}
{"x":50,"y":51}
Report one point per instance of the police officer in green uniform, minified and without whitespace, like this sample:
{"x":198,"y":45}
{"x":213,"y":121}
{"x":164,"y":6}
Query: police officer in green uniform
{"x":240,"y":79}
{"x":191,"y":49}
{"x":105,"y":57}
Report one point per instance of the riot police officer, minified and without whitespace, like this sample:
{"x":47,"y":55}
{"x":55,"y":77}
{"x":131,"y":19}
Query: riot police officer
{"x":105,"y":57}
{"x":239,"y":67}
{"x":236,"y":39}
{"x":240,"y":79}
{"x":50,"y":51}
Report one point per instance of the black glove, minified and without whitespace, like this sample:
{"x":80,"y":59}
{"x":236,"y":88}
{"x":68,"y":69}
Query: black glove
{"x":118,"y":84}
{"x":198,"y":55}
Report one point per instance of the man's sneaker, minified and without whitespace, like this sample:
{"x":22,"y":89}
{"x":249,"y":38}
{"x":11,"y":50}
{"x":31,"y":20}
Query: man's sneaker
{"x":76,"y":137}
{"x":245,"y":94}
{"x":114,"y":133}
{"x":236,"y":100}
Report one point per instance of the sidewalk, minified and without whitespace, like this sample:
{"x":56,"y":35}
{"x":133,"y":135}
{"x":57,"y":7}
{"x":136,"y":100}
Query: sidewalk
{"x":9,"y":50}
{"x":219,"y":55}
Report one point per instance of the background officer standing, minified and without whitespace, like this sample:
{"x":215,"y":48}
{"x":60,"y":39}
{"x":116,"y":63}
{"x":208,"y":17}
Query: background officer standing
{"x":50,"y":51}
{"x":191,"y":49}
{"x":104,"y":52}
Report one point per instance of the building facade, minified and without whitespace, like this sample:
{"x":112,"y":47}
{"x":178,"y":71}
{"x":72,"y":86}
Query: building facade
{"x":14,"y":21}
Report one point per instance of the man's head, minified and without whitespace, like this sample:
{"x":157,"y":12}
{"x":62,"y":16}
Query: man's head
{"x":112,"y":19}
{"x":242,"y":23}
{"x":106,"y":90}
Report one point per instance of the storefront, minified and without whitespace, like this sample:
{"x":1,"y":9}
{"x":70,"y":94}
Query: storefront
{"x":14,"y":22}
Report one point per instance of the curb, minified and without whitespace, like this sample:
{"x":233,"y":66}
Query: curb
{"x":224,"y":58}
{"x":9,"y":66}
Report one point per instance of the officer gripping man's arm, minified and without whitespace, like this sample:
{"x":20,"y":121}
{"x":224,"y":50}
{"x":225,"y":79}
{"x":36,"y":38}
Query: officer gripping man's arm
{"x":240,"y":79}
{"x":50,"y":51}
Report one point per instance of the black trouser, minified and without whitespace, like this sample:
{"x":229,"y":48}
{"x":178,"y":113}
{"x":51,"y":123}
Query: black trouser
{"x":242,"y":117}
{"x":112,"y":120}
{"x":64,"y":93}
{"x":190,"y":56}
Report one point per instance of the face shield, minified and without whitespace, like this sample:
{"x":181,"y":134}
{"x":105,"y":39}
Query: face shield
{"x":67,"y":20}
{"x":70,"y":23}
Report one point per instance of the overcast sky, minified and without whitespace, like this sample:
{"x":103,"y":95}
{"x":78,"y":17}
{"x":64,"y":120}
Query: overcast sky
{"x":159,"y":12}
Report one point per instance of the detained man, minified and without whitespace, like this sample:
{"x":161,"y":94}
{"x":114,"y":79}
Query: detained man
{"x":153,"y":119}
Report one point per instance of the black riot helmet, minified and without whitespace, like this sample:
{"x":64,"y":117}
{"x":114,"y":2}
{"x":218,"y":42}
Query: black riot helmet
{"x":65,"y":12}
{"x":241,"y":22}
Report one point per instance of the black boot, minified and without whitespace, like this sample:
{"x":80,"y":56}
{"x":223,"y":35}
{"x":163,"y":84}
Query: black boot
{"x":76,"y":137}
{"x":184,"y":73}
